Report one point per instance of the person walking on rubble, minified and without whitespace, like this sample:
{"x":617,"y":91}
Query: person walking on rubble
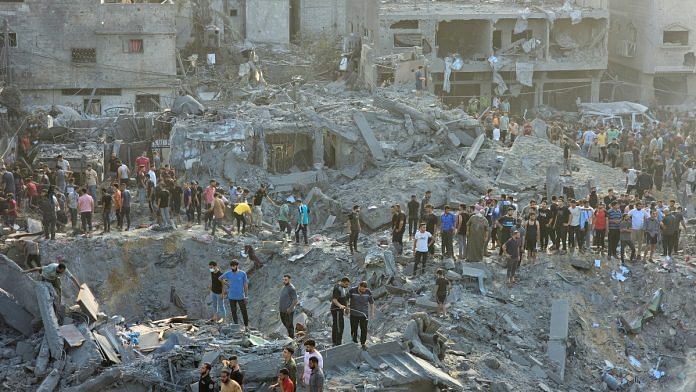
{"x":205,"y":382}
{"x":85,"y":206}
{"x":398,"y":226}
{"x":422,"y":242}
{"x":354,"y":228}
{"x":52,"y":273}
{"x":287,"y":303}
{"x":361,"y":305}
{"x":217,"y":293}
{"x":107,"y":201}
{"x":283,"y":217}
{"x":442,"y":288}
{"x":310,"y":352}
{"x":460,"y":229}
{"x":302,"y":220}
{"x":513,"y":248}
{"x":476,"y":237}
{"x":237,"y":291}
{"x":339,"y":304}
{"x":125,"y":207}
{"x":413,"y":216}
{"x":217,"y":209}
{"x":48,"y":208}
{"x":227,"y":384}
{"x":447,"y":228}
{"x":241,"y":214}
{"x":257,"y":202}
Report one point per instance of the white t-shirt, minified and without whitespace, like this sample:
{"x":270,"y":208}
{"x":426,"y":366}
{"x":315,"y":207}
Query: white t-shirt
{"x":496,"y":134}
{"x":637,"y":218}
{"x":123,"y":172}
{"x":631,"y":177}
{"x":574,"y":216}
{"x":422,"y":241}
{"x":307,"y":371}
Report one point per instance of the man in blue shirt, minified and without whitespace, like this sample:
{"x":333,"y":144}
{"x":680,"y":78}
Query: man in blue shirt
{"x":302,"y":220}
{"x":447,"y":223}
{"x":614,"y":217}
{"x":237,"y":289}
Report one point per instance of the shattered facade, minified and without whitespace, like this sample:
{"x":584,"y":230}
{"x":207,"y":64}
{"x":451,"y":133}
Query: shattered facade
{"x":92,"y":55}
{"x":652,"y":52}
{"x":548,"y":53}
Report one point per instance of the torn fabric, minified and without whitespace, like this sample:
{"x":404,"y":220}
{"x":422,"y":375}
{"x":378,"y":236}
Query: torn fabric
{"x":501,"y":85}
{"x":521,"y":24}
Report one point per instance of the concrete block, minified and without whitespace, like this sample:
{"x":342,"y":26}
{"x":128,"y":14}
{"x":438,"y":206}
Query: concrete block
{"x":25,"y":350}
{"x":424,"y":302}
{"x":558,"y":333}
{"x":18,"y":284}
{"x":340,"y":355}
{"x":14,"y":314}
{"x":372,"y":142}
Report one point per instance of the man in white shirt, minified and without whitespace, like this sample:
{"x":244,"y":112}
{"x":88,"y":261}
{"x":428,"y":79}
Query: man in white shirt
{"x":123,"y":174}
{"x":638,"y":216}
{"x":91,"y":181}
{"x":631,"y":180}
{"x":153,"y":177}
{"x":422,"y":240}
{"x":310,"y":351}
{"x":574,"y":225}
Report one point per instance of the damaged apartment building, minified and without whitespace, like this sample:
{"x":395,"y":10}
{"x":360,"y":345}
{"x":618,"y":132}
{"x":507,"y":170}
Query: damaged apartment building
{"x":652,"y":52}
{"x":536,"y":52}
{"x":92,"y":55}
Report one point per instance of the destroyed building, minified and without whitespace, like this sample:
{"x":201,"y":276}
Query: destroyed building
{"x":537,"y":52}
{"x":92,"y":55}
{"x":652,"y":56}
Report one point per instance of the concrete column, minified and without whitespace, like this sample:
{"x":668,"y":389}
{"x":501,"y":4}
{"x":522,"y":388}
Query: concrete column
{"x":647,"y":89}
{"x":594,"y":89}
{"x":690,"y":85}
{"x":318,"y":149}
{"x":539,"y":89}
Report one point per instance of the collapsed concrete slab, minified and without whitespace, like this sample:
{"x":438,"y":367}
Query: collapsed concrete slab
{"x":45,"y":296}
{"x":19,"y":284}
{"x":558,"y":334}
{"x":14,"y":314}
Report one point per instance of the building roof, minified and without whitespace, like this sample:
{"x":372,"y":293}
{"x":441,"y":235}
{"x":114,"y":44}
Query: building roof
{"x":460,"y":9}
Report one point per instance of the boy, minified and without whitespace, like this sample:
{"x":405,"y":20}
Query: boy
{"x":513,"y":249}
{"x":443,"y":288}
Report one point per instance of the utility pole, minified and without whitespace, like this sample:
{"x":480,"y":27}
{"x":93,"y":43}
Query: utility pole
{"x":6,"y":53}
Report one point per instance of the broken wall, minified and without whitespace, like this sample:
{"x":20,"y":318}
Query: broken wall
{"x":268,"y":21}
{"x":323,"y":16}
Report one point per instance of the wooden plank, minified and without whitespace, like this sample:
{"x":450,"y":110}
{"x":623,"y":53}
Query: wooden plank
{"x":88,"y":302}
{"x":72,"y":335}
{"x":368,"y":135}
{"x":106,"y":348}
{"x":171,"y":319}
{"x":149,"y":341}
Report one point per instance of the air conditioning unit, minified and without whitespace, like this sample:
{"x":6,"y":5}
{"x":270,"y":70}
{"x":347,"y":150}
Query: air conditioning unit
{"x":627,"y":48}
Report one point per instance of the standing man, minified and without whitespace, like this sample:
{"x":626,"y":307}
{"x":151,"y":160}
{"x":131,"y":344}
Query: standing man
{"x":283,"y":217}
{"x":316,"y":379}
{"x":236,"y":373}
{"x":48,"y":215}
{"x":143,"y":161}
{"x":670,"y":233}
{"x":413,"y":216}
{"x":398,"y":227}
{"x":107,"y":203}
{"x":420,"y":80}
{"x":431,"y":221}
{"x":339,"y":304}
{"x":91,"y":181}
{"x":284,"y":382}
{"x":505,"y":225}
{"x":257,"y":201}
{"x":32,"y":256}
{"x":638,"y":216}
{"x":290,"y":364}
{"x":424,"y":203}
{"x":163,"y":201}
{"x":626,"y":234}
{"x":118,"y":205}
{"x":209,"y":197}
{"x":237,"y":290}
{"x":513,"y":248}
{"x":574,"y":233}
{"x":287,"y":303}
{"x":614,"y":217}
{"x":205,"y":382}
{"x":423,"y":240}
{"x":125,"y":207}
{"x":302,"y":220}
{"x":141,"y":180}
{"x":217,"y":293}
{"x":651,"y":229}
{"x":599,"y":222}
{"x":227,"y":384}
{"x":123,"y":174}
{"x":460,"y":228}
{"x":310,"y":352}
{"x":447,"y":226}
{"x":217,"y":210}
{"x":442,"y":288}
{"x":354,"y":227}
{"x":361,"y":305}
{"x":196,"y":193}
{"x":73,"y":197}
{"x":85,"y":206}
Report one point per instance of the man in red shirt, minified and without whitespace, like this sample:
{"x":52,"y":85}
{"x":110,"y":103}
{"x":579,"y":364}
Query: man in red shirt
{"x":32,"y":191}
{"x":284,"y":384}
{"x":143,"y":160}
{"x":600,"y":226}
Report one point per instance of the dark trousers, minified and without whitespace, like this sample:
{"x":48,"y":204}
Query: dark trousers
{"x":629,"y":244}
{"x":512,"y":265}
{"x":301,"y":227}
{"x":73,"y":218}
{"x":398,"y":241}
{"x":49,"y":228}
{"x":574,"y":235}
{"x":214,"y":224}
{"x":447,"y":243}
{"x":190,"y":213}
{"x":337,"y":327}
{"x":353,"y":241}
{"x":242,"y":308}
{"x":86,"y":219}
{"x":420,"y":257}
{"x":285,"y":227}
{"x":355,"y":322}
{"x":669,"y":244}
{"x":545,"y":236}
{"x":125,"y":215}
{"x":561,"y":237}
{"x":613,"y":242}
{"x":287,"y":320}
{"x":503,"y":235}
{"x":196,"y":210}
{"x":107,"y":221}
{"x":119,"y":218}
{"x":412,"y":226}
{"x":599,"y":238}
{"x":241,"y":222}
